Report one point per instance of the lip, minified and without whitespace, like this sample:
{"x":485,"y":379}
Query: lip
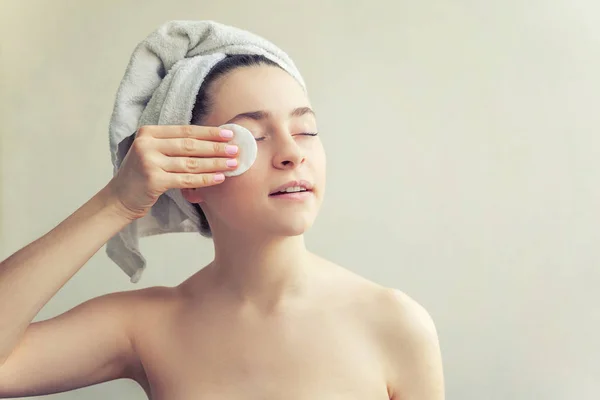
{"x":302,"y":183}
{"x":294,"y":196}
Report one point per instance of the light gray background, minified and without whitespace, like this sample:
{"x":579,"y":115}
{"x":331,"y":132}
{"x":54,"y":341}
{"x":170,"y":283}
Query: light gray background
{"x":463,"y":163}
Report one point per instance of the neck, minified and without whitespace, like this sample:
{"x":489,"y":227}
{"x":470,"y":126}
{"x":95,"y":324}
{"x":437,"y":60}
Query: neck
{"x":260,"y":271}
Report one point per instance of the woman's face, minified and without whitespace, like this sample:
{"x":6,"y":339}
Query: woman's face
{"x":285,"y":153}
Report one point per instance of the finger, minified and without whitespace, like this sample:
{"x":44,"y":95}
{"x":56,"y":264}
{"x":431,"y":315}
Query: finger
{"x":190,"y":147}
{"x":185,"y":131}
{"x":187,"y":181}
{"x":196,"y":165}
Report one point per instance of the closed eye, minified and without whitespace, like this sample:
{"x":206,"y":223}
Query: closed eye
{"x":303,"y":133}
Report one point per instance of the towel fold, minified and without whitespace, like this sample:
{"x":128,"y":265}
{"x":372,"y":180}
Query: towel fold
{"x":159,"y":87}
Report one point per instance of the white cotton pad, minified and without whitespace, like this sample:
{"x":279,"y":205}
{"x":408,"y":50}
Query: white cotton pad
{"x":246,"y":143}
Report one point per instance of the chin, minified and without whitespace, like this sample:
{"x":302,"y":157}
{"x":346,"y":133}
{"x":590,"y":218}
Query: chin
{"x":291,"y":228}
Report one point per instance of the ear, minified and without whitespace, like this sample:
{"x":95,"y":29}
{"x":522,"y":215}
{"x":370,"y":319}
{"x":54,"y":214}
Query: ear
{"x":192,"y":195}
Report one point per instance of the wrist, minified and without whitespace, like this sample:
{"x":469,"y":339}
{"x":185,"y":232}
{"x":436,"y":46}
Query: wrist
{"x":112,"y":206}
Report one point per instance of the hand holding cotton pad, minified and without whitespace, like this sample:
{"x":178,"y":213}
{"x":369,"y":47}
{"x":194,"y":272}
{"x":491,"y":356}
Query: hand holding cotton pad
{"x":246,"y":143}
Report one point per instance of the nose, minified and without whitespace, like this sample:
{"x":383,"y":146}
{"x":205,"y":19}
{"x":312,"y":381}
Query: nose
{"x":289,"y":154}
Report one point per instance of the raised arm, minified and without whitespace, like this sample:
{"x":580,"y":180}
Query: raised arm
{"x":87,"y":344}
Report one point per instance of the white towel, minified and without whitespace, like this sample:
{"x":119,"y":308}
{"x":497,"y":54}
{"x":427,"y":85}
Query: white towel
{"x":159,"y":87}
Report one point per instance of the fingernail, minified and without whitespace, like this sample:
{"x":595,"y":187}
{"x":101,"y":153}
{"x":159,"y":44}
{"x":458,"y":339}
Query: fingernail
{"x":232,"y":162}
{"x":231,"y":149}
{"x":226,"y":133}
{"x":219,"y":177}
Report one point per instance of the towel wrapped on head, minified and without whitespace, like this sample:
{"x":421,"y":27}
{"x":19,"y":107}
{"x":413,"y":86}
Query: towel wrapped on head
{"x":160,"y":85}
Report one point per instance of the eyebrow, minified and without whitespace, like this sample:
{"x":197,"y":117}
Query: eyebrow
{"x":261,"y":115}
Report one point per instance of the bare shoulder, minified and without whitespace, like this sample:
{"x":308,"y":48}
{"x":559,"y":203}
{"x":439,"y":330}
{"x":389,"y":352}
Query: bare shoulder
{"x":405,"y":312}
{"x":152,"y":296}
{"x":396,"y":318}
{"x":396,"y":309}
{"x":355,"y":286}
{"x":410,"y":340}
{"x":151,"y":302}
{"x":404,"y":333}
{"x":348,"y":286}
{"x":146,"y":309}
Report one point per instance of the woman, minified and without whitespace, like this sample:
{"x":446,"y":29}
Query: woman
{"x":265,"y":319}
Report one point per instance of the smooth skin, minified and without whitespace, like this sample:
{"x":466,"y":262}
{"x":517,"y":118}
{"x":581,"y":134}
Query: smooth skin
{"x":266,"y":319}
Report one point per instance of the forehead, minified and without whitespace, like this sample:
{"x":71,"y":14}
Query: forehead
{"x":254,"y":88}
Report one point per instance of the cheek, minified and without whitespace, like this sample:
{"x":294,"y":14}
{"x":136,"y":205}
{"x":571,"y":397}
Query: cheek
{"x":238,"y":202}
{"x":319,"y":159}
{"x":239,"y":192}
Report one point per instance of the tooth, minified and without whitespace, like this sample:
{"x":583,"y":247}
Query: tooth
{"x":293,"y":189}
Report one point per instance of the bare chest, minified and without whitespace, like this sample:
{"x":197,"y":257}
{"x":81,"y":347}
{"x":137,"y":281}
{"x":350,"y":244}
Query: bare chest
{"x":228,"y":358}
